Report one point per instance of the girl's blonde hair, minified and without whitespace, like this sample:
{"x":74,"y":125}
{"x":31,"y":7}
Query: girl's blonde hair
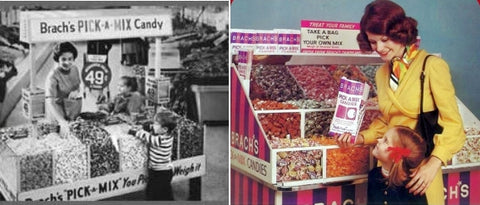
{"x":401,"y":170}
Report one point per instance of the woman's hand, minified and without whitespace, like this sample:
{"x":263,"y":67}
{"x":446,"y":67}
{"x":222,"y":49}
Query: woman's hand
{"x":64,"y":128}
{"x":423,"y":176}
{"x":345,"y":140}
{"x":75,"y":94}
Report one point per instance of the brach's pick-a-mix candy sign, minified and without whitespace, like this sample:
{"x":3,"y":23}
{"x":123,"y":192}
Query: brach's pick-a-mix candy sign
{"x":93,"y":24}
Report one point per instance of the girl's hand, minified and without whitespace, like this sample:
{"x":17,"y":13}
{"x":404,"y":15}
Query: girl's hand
{"x":423,"y":176}
{"x":345,"y":140}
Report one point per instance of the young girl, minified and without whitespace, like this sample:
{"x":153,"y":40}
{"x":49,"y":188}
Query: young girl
{"x":400,"y":152}
{"x":160,"y":142}
{"x":128,"y":99}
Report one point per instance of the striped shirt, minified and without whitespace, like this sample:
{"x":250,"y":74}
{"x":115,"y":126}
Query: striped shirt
{"x":160,"y":151}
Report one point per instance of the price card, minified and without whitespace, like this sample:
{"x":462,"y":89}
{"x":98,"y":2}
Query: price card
{"x":96,"y":74}
{"x":245,"y":58}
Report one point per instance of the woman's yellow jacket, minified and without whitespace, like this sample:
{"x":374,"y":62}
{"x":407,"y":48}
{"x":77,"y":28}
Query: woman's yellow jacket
{"x":401,"y":107}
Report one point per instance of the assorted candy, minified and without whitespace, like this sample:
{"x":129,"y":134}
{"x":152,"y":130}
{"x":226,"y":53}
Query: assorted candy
{"x":104,"y":158}
{"x":274,"y":82}
{"x":272,"y":105}
{"x":317,"y":83}
{"x":318,"y":123}
{"x":348,"y":161}
{"x":36,"y":171}
{"x":310,"y":92}
{"x":281,"y":125}
{"x":299,"y":165}
{"x":470,"y":152}
{"x":133,"y":153}
{"x":89,"y":150}
{"x":189,"y":134}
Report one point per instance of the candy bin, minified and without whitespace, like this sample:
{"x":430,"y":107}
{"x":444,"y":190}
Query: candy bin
{"x":69,"y":158}
{"x":317,"y":123}
{"x":299,"y":165}
{"x":280,"y":124}
{"x":103,"y":156}
{"x":36,"y":171}
{"x":133,"y":153}
{"x":292,"y":134}
{"x":470,"y":152}
{"x":316,"y":82}
{"x":321,"y":164}
{"x":274,"y":82}
{"x":348,"y":161}
{"x":259,"y":104}
{"x":26,"y":164}
{"x":189,"y":137}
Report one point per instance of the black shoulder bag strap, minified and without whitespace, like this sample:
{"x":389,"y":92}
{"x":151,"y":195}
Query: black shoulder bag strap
{"x":422,"y":80}
{"x":427,"y":124}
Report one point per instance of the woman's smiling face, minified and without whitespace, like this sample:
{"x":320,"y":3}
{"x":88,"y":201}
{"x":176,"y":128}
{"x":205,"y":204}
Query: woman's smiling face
{"x":66,"y":60}
{"x":385,"y":47}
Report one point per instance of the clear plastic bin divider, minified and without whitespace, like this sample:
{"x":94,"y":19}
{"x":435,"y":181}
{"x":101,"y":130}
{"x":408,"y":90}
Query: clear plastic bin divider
{"x":302,"y":123}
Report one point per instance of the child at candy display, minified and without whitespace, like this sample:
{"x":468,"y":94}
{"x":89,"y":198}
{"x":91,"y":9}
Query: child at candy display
{"x":128,"y":100}
{"x":160,"y":141}
{"x":400,"y":152}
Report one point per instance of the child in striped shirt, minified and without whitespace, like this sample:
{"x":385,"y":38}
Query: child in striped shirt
{"x":160,"y":142}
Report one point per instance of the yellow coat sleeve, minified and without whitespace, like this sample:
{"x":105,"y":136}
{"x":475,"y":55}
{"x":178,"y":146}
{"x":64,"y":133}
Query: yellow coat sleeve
{"x":438,"y":82}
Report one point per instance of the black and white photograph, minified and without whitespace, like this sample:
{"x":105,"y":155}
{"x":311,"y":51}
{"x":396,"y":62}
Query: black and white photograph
{"x":114,"y":101}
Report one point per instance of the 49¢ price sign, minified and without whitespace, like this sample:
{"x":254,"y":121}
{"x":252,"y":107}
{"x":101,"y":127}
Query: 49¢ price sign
{"x":96,"y":75}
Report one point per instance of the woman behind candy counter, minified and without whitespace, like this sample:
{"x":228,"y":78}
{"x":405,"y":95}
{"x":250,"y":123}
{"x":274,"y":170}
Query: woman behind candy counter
{"x":63,"y":100}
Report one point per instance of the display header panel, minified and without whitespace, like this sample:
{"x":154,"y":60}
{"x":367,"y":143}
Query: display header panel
{"x":82,"y":25}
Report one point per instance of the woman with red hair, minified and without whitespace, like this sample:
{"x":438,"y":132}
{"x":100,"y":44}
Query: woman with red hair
{"x":386,"y":30}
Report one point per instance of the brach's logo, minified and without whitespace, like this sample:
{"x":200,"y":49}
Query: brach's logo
{"x":456,"y":192}
{"x":244,"y":143}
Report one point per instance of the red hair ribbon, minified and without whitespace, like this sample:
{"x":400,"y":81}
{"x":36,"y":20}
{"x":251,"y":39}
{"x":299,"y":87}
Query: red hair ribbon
{"x":398,"y":152}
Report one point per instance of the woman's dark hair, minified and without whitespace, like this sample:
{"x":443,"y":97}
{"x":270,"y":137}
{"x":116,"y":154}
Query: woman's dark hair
{"x":130,"y":82}
{"x":64,"y":47}
{"x":383,"y":17}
